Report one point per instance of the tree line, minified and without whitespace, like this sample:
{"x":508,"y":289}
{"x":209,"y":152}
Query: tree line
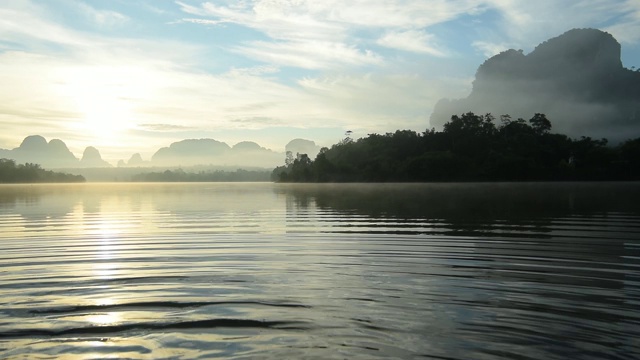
{"x":470,"y":148}
{"x":180,"y":175}
{"x":10,"y":172}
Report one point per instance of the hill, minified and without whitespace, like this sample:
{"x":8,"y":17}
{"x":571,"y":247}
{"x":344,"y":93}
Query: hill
{"x":576,"y":78}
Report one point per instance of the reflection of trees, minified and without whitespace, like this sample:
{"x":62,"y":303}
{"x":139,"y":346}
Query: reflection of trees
{"x":40,"y":202}
{"x":472,"y":206}
{"x":547,"y":265}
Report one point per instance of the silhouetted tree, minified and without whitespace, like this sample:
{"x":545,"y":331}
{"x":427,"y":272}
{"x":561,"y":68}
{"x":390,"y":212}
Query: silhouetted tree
{"x":540,"y":124}
{"x":10,"y":172}
{"x":470,"y":148}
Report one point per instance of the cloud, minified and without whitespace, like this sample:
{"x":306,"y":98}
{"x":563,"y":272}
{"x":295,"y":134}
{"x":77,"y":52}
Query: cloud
{"x":104,"y":18}
{"x":257,"y":122}
{"x":255,"y":71}
{"x":319,"y":35}
{"x":200,"y":21}
{"x":25,"y":24}
{"x":412,"y":40}
{"x":627,"y":30}
{"x":308,"y":54}
{"x":379,"y":102}
{"x":489,"y":49}
{"x":164,"y":127}
{"x":527,"y":23}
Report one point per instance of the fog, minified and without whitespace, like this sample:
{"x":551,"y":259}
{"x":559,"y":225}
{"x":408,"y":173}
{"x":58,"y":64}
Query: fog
{"x":202,"y":157}
{"x":576,"y":79}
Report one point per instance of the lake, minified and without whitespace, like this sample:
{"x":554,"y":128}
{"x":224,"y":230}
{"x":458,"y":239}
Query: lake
{"x":357,"y":271}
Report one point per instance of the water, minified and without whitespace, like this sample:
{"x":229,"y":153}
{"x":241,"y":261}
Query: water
{"x":436,"y":271}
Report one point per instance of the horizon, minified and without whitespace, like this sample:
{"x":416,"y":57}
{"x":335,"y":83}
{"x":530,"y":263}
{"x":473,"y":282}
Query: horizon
{"x":132,"y":77}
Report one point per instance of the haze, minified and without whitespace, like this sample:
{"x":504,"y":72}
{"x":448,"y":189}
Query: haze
{"x":132,"y":77}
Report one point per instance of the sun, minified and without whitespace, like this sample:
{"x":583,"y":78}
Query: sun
{"x":104,"y":114}
{"x":103,"y":100}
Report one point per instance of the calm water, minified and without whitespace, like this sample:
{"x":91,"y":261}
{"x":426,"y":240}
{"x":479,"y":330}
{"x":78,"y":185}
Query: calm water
{"x":458,"y":271}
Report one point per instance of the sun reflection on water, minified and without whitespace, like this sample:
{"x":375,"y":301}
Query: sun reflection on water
{"x":104,"y":319}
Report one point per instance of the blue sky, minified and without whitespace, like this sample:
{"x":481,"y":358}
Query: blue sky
{"x":132,"y":76}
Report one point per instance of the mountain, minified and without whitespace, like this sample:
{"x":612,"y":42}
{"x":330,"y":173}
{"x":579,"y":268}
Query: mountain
{"x":576,"y":79}
{"x":4,"y":153}
{"x":302,"y":146}
{"x":53,"y":154}
{"x":249,"y":153}
{"x":36,"y":149}
{"x":136,"y":160}
{"x":91,"y":158}
{"x":192,"y":152}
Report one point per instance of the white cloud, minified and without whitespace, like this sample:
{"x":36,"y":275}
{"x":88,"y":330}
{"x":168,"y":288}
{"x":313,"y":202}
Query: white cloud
{"x":489,"y":49}
{"x":309,"y":54}
{"x":105,"y":18}
{"x":320,"y":34}
{"x":25,"y":24}
{"x":200,"y":21}
{"x":627,"y":30}
{"x":528,"y":23}
{"x":412,"y":40}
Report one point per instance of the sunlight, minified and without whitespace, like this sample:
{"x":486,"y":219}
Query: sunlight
{"x":103,"y":319}
{"x":104,"y":97}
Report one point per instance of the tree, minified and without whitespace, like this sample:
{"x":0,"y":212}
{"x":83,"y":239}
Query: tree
{"x":288,"y":161}
{"x":540,"y":124}
{"x":470,"y":148}
{"x":10,"y":172}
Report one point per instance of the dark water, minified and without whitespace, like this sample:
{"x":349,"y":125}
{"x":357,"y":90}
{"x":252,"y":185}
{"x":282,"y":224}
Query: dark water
{"x":243,"y":271}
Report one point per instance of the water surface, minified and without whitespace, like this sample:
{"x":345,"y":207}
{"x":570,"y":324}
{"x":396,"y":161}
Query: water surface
{"x":421,"y":271}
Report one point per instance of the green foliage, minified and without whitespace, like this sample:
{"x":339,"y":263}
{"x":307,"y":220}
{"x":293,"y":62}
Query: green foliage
{"x":10,"y":172}
{"x":470,"y":148}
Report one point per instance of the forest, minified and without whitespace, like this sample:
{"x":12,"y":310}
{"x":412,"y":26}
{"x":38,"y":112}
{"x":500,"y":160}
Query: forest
{"x":10,"y":172}
{"x":180,"y":175}
{"x":469,"y":148}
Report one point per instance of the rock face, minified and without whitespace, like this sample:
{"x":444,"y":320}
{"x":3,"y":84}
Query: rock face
{"x":92,"y":158}
{"x":576,"y":79}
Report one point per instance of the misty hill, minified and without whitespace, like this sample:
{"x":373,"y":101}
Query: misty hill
{"x":212,"y":152}
{"x":186,"y":153}
{"x":92,"y":158}
{"x":576,"y":79}
{"x":36,"y":149}
{"x":53,"y":154}
{"x":302,"y":146}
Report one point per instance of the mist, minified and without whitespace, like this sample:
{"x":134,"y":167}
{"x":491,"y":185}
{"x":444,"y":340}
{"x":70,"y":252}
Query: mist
{"x":576,"y":79}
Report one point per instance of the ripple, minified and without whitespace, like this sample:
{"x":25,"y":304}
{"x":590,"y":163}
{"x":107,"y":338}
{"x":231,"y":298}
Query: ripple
{"x":271,"y":271}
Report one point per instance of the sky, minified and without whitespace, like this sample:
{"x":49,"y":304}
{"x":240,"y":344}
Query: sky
{"x":131,"y":76}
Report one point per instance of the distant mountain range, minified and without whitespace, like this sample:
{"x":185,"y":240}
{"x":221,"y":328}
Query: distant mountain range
{"x":55,"y":154}
{"x":576,"y":79}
